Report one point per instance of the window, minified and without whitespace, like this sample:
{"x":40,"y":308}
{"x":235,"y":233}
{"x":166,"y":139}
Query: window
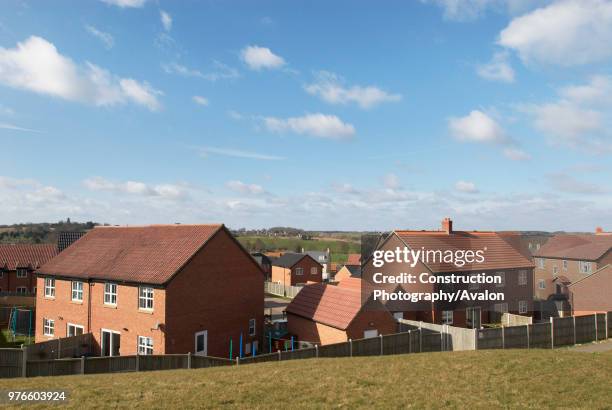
{"x":542,"y":284}
{"x":22,"y":273}
{"x":299,"y":271}
{"x":564,"y":265}
{"x":501,"y":307}
{"x":447,"y":317}
{"x":145,"y":298}
{"x":314,"y":270}
{"x":252,"y":329}
{"x":540,"y":263}
{"x":22,"y":290}
{"x":473,"y":277}
{"x":49,"y":287}
{"x":110,"y":293}
{"x":145,"y":345}
{"x":48,"y":327}
{"x":74,"y":330}
{"x":555,"y":270}
{"x":585,"y":267}
{"x":530,"y":246}
{"x":77,"y":291}
{"x":1,"y":274}
{"x":522,"y":306}
{"x":522,"y":277}
{"x":502,"y":279}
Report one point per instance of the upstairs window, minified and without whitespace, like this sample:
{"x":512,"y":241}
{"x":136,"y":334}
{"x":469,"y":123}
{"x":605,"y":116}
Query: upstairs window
{"x":110,"y":293}
{"x":447,"y":317}
{"x":502,"y":279}
{"x":49,"y":287}
{"x":299,"y":271}
{"x":145,"y":298}
{"x":585,"y":267}
{"x":22,"y":273}
{"x":542,"y":284}
{"x":77,"y":291}
{"x":314,"y":271}
{"x":522,"y":307}
{"x":555,"y":270}
{"x":540,"y":262}
{"x":22,"y":290}
{"x":522,"y":277}
{"x":564,"y":265}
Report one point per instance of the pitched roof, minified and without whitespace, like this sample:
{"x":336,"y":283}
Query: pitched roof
{"x":289,"y":259}
{"x":583,"y":247}
{"x":23,"y":255}
{"x":140,"y":254}
{"x":354,"y":259}
{"x":327,"y":304}
{"x":500,"y":251}
{"x":319,"y":256}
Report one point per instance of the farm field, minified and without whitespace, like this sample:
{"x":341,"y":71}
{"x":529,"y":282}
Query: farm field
{"x":339,"y":248}
{"x":478,"y":379}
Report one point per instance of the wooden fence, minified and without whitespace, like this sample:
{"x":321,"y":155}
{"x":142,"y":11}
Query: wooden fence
{"x":66,"y":347}
{"x":277,"y":288}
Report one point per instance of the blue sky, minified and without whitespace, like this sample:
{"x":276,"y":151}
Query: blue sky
{"x":321,"y":115}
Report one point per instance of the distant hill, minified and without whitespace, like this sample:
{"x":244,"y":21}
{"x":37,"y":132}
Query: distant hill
{"x":40,"y":232}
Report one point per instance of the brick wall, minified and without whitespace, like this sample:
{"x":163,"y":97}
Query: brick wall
{"x":9,"y":282}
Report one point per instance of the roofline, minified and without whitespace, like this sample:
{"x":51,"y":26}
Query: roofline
{"x":594,"y":273}
{"x":153,"y":225}
{"x":570,"y":259}
{"x":446,"y":234}
{"x":304,"y":255}
{"x":99,"y":280}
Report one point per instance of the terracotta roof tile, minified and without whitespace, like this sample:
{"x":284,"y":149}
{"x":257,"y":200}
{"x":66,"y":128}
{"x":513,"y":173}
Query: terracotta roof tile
{"x":582,"y":247}
{"x":19,"y":255}
{"x":353,"y":259}
{"x":327,"y":304}
{"x":140,"y":254}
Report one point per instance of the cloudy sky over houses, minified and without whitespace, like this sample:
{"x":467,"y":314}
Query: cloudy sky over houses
{"x":315,"y":114}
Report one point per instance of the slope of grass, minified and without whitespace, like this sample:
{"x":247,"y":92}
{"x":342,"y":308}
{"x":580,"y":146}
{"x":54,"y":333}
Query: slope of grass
{"x":485,"y":379}
{"x":339,"y":248}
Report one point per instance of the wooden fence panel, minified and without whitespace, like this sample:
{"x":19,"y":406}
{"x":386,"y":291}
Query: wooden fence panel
{"x":110,"y":364}
{"x":198,"y":362}
{"x":10,"y":363}
{"x":60,"y":367}
{"x":299,"y":354}
{"x":335,"y":350}
{"x":431,"y":342}
{"x":162,"y":362}
{"x":601,"y":326}
{"x":66,"y":347}
{"x":489,"y":339}
{"x":397,"y":344}
{"x":539,"y":336}
{"x":367,"y":347}
{"x":515,"y":337}
{"x":563,"y":331}
{"x":585,"y":329}
{"x":268,"y":357}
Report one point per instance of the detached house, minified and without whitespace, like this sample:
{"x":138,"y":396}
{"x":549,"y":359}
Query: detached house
{"x":503,"y":261}
{"x":18,"y":263}
{"x":593,"y":293}
{"x":293,"y":269}
{"x":156,"y":289}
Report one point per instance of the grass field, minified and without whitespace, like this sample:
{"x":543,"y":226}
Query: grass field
{"x":483,"y":379}
{"x":339,"y":248}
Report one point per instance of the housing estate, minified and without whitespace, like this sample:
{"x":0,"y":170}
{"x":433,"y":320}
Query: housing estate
{"x":592,"y":293}
{"x":296,"y":269}
{"x":324,"y":259}
{"x":324,"y":314}
{"x":155,"y":289}
{"x":503,"y":260}
{"x":18,"y":264}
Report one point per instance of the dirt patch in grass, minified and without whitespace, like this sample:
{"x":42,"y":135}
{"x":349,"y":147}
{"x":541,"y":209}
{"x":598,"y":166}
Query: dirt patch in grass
{"x":485,"y":379}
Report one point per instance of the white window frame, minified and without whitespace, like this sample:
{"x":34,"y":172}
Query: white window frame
{"x":299,"y":271}
{"x":145,"y":299}
{"x":585,"y":267}
{"x":48,"y":327}
{"x":108,"y":291}
{"x":145,"y":345}
{"x":522,"y":277}
{"x":555,"y":270}
{"x":314,"y":270}
{"x":523,"y":306}
{"x":252,"y":327}
{"x":447,"y":317}
{"x":69,"y":325}
{"x":76,"y":291}
{"x":541,"y":264}
{"x":541,"y":284}
{"x":21,"y":273}
{"x":502,"y":275}
{"x":501,"y":307}
{"x":565,"y":265}
{"x":50,"y":288}
{"x":23,"y":290}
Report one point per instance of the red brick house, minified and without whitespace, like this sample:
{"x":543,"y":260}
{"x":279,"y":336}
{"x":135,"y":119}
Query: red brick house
{"x":18,"y":263}
{"x":353,"y":259}
{"x":593,"y":293}
{"x":324,"y":314}
{"x":293,"y":269}
{"x":156,"y":289}
{"x":503,"y":259}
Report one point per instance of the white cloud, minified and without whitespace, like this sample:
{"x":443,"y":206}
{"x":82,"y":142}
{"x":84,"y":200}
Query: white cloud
{"x":104,"y":37}
{"x":391,"y":181}
{"x":567,"y":183}
{"x":243,"y":188}
{"x":36,"y":65}
{"x":597,"y":91}
{"x":166,"y":20}
{"x":125,"y":3}
{"x":345,"y":188}
{"x":463,"y":10}
{"x":566,"y":119}
{"x":466,"y":187}
{"x":135,"y":187}
{"x":569,"y":32}
{"x":230,"y":152}
{"x":516,"y":154}
{"x":498,"y":69}
{"x":476,"y":127}
{"x":329,"y":87}
{"x":221,"y":72}
{"x":198,"y":99}
{"x":6,"y":126}
{"x":261,"y":57}
{"x":316,"y":125}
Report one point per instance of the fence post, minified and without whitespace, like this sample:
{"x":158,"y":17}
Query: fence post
{"x":475,"y":339}
{"x":316,"y":350}
{"x":574,"y":321}
{"x":552,"y":332}
{"x":596,"y":335}
{"x":137,"y":362}
{"x":606,"y":317}
{"x":351,"y":347}
{"x":189,"y":360}
{"x":527,"y":337}
{"x":420,"y":339}
{"x":237,"y":360}
{"x":82,"y":364}
{"x":279,"y":355}
{"x":409,"y":341}
{"x":503,"y":337}
{"x":381,"y":344}
{"x":24,"y":361}
{"x":59,"y":348}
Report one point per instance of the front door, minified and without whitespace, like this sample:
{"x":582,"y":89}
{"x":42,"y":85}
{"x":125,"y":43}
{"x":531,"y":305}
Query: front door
{"x":111,"y":342}
{"x":201,"y":343}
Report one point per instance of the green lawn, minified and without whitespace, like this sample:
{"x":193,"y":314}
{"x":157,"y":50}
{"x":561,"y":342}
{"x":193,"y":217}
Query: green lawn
{"x":339,"y":248}
{"x":483,"y":379}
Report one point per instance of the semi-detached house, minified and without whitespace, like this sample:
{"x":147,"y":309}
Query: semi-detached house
{"x":156,"y":289}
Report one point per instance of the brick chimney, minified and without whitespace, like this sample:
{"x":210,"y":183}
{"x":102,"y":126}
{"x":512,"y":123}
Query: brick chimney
{"x":599,"y":230}
{"x":447,"y":225}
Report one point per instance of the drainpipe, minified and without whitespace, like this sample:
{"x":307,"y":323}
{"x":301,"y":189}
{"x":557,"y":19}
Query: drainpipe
{"x":89,"y":306}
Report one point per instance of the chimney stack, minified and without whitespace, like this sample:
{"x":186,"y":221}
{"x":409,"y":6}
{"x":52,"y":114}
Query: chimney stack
{"x":447,"y":225}
{"x":599,"y":230}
